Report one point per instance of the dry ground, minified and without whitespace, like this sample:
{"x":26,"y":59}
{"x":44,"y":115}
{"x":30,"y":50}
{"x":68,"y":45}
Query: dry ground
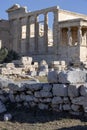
{"x":35,"y":119}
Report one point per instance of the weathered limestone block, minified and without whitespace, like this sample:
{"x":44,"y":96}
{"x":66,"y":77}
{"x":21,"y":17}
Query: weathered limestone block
{"x":75,"y":113}
{"x":36,"y":65}
{"x":26,"y":104}
{"x":75,"y":107}
{"x":2,"y":107}
{"x":32,"y":104}
{"x":16,"y":71}
{"x":85,"y":108}
{"x":3,"y":98}
{"x":11,"y":97}
{"x":14,"y":86}
{"x":28,"y":98}
{"x":42,"y":106}
{"x":66,"y":107}
{"x":10,"y":65}
{"x":76,"y":76}
{"x":62,"y":77}
{"x":52,"y":76}
{"x":73,"y":90}
{"x":26,"y":60}
{"x":47,"y":100}
{"x":1,"y":91}
{"x":55,"y":64}
{"x":60,"y":90}
{"x":83,"y":89}
{"x":6,"y":71}
{"x":36,"y":100}
{"x":42,"y":73}
{"x":33,"y":73}
{"x":43,"y":68}
{"x":57,"y":100}
{"x":43,"y":62}
{"x":80,"y":100}
{"x":4,"y":82}
{"x":29,"y":92}
{"x":47,"y":87}
{"x":63,"y":63}
{"x":33,"y":87}
{"x":66,"y":100}
{"x":43,"y":94}
{"x":70,"y":76}
{"x":17,"y":98}
{"x":22,"y":97}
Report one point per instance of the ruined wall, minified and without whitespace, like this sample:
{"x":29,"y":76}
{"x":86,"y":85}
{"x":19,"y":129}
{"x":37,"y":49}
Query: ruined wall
{"x":28,"y":36}
{"x":58,"y":97}
{"x":4,"y":34}
{"x":69,"y":53}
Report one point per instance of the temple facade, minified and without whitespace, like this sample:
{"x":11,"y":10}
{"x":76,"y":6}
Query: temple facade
{"x":25,"y":33}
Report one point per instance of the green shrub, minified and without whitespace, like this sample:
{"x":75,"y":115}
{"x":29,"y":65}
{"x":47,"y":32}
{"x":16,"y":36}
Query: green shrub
{"x":12,"y":55}
{"x":7,"y":55}
{"x":3,"y":54}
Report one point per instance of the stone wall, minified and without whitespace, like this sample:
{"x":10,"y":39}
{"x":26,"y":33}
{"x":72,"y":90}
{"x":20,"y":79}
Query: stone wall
{"x":59,"y":97}
{"x":4,"y":34}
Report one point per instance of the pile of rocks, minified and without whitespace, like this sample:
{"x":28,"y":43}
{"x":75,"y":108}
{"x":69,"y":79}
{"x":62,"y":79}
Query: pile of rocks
{"x":18,"y":67}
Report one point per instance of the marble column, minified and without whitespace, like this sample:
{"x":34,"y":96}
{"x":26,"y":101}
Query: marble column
{"x":11,"y":35}
{"x":46,"y":32}
{"x":79,"y":35}
{"x":36,"y":34}
{"x":19,"y":34}
{"x":69,"y":34}
{"x":27,"y":35}
{"x":59,"y":36}
{"x":55,"y":31}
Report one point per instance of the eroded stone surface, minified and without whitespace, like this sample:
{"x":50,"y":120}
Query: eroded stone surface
{"x":60,"y":90}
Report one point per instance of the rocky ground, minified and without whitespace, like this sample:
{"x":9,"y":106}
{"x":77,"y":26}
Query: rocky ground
{"x":27,"y":119}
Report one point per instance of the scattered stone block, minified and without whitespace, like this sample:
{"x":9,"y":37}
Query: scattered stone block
{"x":76,"y":76}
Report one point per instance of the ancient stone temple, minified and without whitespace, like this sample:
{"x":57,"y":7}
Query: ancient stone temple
{"x":25,"y":33}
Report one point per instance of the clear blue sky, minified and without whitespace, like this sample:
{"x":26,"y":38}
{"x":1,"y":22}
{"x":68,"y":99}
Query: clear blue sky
{"x":79,"y":6}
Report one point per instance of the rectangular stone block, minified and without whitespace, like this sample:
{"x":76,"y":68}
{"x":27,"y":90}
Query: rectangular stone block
{"x":60,"y":90}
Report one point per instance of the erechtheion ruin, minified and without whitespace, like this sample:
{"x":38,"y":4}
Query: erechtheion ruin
{"x":25,"y":33}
